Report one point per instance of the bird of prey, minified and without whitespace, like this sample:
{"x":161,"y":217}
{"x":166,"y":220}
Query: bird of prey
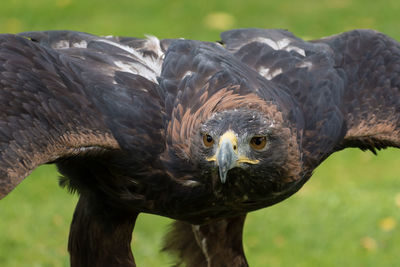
{"x":201,"y":132}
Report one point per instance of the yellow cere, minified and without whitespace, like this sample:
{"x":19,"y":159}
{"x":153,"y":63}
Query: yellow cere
{"x":230,"y":135}
{"x":247,"y":160}
{"x":213,"y":158}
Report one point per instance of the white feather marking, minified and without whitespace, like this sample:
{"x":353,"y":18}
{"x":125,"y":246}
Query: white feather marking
{"x":191,"y":183}
{"x":81,"y":44}
{"x":188,"y":73}
{"x":263,"y":71}
{"x":283,"y":44}
{"x":297,"y":49}
{"x":138,"y":69}
{"x":153,"y":43}
{"x":63,"y":44}
{"x":122,"y":66}
{"x":268,"y":74}
{"x":205,"y":250}
{"x":276,"y":45}
{"x":154,"y":64}
{"x":305,"y":64}
{"x":267,"y":41}
{"x":274,"y":73}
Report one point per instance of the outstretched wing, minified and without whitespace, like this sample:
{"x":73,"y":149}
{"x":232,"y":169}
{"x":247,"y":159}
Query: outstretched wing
{"x":347,"y":85}
{"x":59,"y":100}
{"x":370,"y":62}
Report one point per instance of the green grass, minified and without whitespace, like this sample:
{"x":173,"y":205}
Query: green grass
{"x":346,"y":215}
{"x":342,"y":217}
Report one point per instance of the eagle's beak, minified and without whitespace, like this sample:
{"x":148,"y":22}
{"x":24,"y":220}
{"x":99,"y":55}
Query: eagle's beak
{"x":227,"y":154}
{"x":225,"y":159}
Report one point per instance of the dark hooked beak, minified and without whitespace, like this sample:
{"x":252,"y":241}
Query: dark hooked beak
{"x":226,"y":159}
{"x":227,"y":156}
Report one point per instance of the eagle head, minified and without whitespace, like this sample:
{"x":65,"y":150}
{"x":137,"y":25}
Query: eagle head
{"x":246,"y":146}
{"x":235,"y":139}
{"x":232,"y":135}
{"x":238,"y":144}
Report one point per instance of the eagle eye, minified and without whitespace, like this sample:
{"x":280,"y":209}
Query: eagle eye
{"x":208,"y":140}
{"x":258,"y":142}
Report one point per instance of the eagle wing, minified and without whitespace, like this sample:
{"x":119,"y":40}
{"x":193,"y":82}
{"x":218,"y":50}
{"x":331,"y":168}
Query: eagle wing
{"x":65,"y":94}
{"x":370,"y":65}
{"x":347,"y":85}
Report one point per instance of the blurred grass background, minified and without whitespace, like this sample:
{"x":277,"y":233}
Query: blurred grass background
{"x":348,"y":214}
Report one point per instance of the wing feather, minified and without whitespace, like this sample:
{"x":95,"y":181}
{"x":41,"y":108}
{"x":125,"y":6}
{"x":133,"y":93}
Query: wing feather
{"x":40,"y":122}
{"x":61,"y":101}
{"x":138,"y":56}
{"x":347,"y":85}
{"x":371,"y":101}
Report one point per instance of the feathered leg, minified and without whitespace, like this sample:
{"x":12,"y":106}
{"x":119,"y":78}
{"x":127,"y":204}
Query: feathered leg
{"x":100,"y":236}
{"x":216,"y":244}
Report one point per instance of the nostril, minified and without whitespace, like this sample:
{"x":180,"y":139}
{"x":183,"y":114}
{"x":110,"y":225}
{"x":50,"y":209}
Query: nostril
{"x":234,"y":147}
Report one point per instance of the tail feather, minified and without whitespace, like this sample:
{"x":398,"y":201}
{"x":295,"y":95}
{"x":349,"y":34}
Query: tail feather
{"x":181,"y":242}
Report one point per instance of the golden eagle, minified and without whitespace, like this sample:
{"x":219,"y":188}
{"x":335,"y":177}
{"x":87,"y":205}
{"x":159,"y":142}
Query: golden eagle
{"x":201,"y":132}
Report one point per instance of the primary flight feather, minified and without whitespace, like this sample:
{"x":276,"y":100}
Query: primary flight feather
{"x":200,"y":132}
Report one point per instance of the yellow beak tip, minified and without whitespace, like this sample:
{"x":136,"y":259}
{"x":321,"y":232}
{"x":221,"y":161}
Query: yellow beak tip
{"x":213,"y":158}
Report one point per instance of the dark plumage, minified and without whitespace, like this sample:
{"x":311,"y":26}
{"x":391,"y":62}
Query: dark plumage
{"x":196,"y":131}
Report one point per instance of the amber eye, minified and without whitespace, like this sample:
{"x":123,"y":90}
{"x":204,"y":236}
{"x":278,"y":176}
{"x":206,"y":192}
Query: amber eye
{"x":208,"y":140}
{"x":258,"y":142}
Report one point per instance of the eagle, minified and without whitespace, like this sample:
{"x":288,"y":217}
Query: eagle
{"x":200,"y":132}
